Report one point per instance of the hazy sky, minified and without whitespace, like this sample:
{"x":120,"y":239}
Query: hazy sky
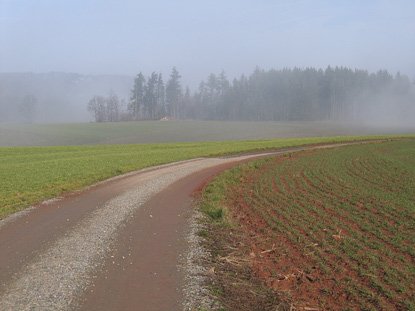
{"x":200,"y":37}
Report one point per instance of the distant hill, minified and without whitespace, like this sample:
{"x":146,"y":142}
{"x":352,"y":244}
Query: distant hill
{"x":59,"y":97}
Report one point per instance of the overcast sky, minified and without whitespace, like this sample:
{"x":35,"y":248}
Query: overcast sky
{"x":200,"y":37}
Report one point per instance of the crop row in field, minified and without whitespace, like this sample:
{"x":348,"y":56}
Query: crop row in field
{"x":333,"y":228}
{"x":30,"y":174}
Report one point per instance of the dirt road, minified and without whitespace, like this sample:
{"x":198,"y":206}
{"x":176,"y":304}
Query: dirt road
{"x":114,"y":246}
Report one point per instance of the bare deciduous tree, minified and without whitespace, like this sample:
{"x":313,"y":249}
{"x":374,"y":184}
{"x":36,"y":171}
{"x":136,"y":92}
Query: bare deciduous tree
{"x":97,"y":106}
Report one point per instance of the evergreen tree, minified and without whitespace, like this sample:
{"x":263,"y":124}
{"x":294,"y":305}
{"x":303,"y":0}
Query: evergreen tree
{"x":212,"y":92}
{"x":174,"y":94}
{"x":188,"y":105}
{"x":160,"y":98}
{"x":137,"y":96}
{"x":113,"y":105}
{"x":150,"y":97}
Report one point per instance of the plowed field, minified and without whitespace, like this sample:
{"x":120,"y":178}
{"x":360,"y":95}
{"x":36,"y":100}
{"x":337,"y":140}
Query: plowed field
{"x":332,"y":229}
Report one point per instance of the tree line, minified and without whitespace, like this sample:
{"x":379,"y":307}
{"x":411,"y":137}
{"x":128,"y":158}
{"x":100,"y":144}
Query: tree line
{"x":275,"y":95}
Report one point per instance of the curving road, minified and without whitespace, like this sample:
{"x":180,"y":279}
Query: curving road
{"x":114,"y":246}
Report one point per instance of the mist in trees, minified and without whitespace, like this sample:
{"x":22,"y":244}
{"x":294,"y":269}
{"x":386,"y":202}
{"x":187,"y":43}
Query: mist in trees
{"x":174,"y":95}
{"x":27,"y":108}
{"x":55,"y":97}
{"x":334,"y":93}
{"x":108,"y":109}
{"x":97,"y":106}
{"x":276,"y":95}
{"x":150,"y":99}
{"x":307,"y":95}
{"x":304,"y":95}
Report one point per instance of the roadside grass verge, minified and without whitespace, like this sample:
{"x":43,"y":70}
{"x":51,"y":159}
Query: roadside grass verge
{"x":330,"y":229}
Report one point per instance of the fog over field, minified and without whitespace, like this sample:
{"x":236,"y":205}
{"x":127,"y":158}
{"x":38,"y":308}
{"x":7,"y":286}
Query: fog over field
{"x":207,"y":60}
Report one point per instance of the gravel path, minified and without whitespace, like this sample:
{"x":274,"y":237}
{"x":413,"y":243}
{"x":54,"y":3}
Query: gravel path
{"x":61,"y":272}
{"x":196,"y":296}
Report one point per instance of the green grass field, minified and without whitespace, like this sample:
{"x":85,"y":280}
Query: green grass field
{"x":343,"y":216}
{"x":29,"y":175}
{"x":13,"y":135}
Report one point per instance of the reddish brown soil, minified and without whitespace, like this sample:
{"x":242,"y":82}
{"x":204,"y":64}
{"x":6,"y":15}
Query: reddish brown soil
{"x":280,"y":263}
{"x":270,"y":263}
